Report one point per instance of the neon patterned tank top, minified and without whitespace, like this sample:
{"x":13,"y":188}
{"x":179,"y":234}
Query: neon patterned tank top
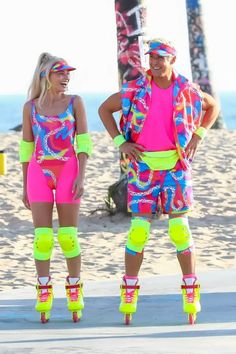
{"x":54,"y":141}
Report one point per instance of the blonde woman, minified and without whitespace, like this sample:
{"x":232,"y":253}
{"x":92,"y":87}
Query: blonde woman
{"x":53,"y":171}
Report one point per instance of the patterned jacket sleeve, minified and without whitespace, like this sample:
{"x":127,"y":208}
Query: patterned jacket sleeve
{"x":127,"y":94}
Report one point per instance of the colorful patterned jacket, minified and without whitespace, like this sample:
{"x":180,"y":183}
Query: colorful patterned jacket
{"x":187,"y":110}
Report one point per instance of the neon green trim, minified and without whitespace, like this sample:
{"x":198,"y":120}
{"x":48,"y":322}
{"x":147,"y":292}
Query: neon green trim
{"x":180,"y":212}
{"x":119,"y":140}
{"x":43,"y":243}
{"x":84,"y":144}
{"x":138,"y":234}
{"x":201,"y":131}
{"x":180,"y":233}
{"x":160,"y":160}
{"x":68,"y":240}
{"x":26,"y":149}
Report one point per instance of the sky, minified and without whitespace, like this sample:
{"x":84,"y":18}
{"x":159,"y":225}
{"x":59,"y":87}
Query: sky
{"x":84,"y":33}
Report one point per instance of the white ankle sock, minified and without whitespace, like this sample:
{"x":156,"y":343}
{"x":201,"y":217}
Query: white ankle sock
{"x":130,"y":281}
{"x":73,"y":281}
{"x":189,"y":281}
{"x":44,"y":281}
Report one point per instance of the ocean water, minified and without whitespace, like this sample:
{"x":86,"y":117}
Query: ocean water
{"x":11,"y":110}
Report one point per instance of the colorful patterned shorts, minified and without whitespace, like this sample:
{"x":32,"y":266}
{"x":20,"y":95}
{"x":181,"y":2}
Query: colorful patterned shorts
{"x":148,"y":190}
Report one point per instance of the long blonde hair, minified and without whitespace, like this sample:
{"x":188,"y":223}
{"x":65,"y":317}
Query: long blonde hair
{"x":41,"y":83}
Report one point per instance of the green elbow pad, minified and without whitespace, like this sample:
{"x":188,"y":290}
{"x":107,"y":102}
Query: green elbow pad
{"x":84,"y":144}
{"x":26,"y":149}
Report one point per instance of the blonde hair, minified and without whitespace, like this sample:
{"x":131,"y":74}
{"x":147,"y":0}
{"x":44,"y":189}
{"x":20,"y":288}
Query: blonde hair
{"x":40,"y":84}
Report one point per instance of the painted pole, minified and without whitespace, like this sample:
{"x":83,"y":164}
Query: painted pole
{"x":198,"y":52}
{"x":130,"y":23}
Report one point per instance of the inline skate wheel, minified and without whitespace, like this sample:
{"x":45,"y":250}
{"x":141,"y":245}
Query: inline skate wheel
{"x":192,"y":318}
{"x":128,"y":318}
{"x":44,"y":317}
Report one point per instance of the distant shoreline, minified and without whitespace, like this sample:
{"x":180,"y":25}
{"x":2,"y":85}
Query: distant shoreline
{"x":11,"y":110}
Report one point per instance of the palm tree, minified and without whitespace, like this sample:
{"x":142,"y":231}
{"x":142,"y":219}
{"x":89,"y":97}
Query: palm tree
{"x":198,"y":53}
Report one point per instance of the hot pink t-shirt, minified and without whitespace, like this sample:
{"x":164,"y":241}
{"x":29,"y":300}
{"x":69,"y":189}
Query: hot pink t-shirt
{"x":158,"y":129}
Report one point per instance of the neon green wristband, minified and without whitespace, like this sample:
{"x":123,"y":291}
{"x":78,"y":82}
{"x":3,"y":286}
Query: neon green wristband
{"x":26,"y":149}
{"x":201,"y":131}
{"x":119,"y":140}
{"x":84,"y":144}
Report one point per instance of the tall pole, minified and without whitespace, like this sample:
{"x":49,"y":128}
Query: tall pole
{"x":198,"y":53}
{"x":130,"y":23}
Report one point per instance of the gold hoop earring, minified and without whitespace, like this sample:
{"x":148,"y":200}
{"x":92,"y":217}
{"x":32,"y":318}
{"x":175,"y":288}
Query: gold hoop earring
{"x":49,"y":85}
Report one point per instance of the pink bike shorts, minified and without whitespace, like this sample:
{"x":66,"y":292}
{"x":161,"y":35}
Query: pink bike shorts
{"x":39,"y":186}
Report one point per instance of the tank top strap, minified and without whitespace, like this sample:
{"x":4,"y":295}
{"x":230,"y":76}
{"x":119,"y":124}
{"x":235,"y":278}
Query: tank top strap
{"x":70,"y":105}
{"x":33,"y":108}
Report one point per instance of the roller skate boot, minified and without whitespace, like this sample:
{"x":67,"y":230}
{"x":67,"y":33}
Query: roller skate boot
{"x":44,"y":299}
{"x":191,"y":299}
{"x":75,"y":298}
{"x":129,"y":298}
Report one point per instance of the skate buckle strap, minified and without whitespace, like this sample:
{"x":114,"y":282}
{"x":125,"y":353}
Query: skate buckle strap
{"x":43,"y":287}
{"x":74,"y":286}
{"x":194,"y":286}
{"x":133,"y":287}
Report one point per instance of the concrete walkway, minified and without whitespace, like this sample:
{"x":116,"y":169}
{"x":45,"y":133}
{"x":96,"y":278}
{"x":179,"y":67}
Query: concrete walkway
{"x":159,"y":326}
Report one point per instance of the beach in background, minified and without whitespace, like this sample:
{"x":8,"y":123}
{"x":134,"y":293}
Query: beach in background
{"x":103,"y":236}
{"x":11,"y":110}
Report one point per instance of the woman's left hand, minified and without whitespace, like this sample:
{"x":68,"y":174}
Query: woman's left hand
{"x":78,"y":187}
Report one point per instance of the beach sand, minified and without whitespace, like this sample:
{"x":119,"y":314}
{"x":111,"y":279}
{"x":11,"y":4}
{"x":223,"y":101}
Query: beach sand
{"x":103,"y":236}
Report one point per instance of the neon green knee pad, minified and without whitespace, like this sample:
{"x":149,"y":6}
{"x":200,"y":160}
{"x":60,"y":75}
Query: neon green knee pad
{"x":138,"y":234}
{"x":43,"y":243}
{"x":180,"y":233}
{"x":68,"y":240}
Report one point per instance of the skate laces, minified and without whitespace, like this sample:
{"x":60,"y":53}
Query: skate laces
{"x":74,"y":295}
{"x":190,"y":290}
{"x":44,"y":288}
{"x":129,"y":296}
{"x":43,"y":297}
{"x":130,"y":289}
{"x":44,"y":292}
{"x":73,"y":288}
{"x":190,"y":297}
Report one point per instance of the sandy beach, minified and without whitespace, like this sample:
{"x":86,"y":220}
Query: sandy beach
{"x":103,"y":236}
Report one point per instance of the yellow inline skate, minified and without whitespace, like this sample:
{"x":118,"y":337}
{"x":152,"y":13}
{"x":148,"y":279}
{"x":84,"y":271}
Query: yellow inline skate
{"x":44,"y":301}
{"x":129,"y":299}
{"x":75,"y":299}
{"x":191,"y":301}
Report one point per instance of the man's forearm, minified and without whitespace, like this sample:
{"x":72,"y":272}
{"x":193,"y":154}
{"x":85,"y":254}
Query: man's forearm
{"x":109,"y":122}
